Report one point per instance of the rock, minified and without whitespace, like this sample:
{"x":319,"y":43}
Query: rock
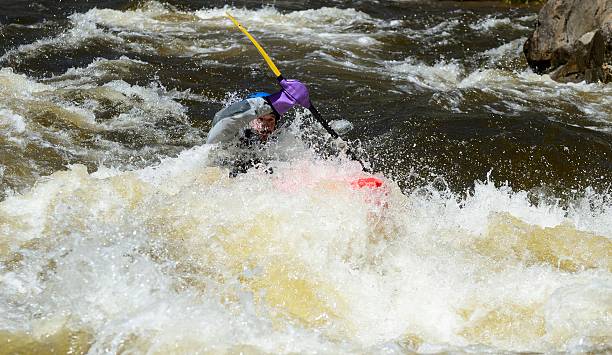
{"x":572,"y":41}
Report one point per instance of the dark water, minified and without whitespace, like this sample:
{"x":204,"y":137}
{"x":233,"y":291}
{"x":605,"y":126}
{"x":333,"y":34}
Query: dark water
{"x":491,"y":234}
{"x":413,"y":121}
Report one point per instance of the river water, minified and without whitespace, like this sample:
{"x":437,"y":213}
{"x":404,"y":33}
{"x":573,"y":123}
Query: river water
{"x":118,"y":234}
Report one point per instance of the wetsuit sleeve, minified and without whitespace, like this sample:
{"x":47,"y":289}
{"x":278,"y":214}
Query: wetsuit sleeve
{"x":229,"y":121}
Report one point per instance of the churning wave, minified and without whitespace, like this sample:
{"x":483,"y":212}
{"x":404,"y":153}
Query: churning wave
{"x":179,"y":257}
{"x":102,"y":254}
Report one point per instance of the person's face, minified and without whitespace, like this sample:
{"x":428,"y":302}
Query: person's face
{"x":264,"y":125}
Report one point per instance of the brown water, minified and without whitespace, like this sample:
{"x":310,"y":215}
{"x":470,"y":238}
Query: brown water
{"x":118,"y":235}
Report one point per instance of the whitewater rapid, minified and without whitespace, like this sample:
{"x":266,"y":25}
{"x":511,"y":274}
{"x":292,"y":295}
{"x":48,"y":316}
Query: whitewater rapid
{"x":119,"y":235}
{"x":178,"y":257}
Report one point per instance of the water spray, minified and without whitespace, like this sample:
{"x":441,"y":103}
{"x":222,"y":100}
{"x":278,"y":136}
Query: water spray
{"x":312,"y":108}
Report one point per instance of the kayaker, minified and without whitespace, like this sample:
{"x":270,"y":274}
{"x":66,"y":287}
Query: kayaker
{"x":249,"y":123}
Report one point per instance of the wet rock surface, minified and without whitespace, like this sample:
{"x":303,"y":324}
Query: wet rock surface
{"x":572,"y":41}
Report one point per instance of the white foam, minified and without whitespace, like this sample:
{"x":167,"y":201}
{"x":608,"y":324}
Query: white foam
{"x":528,"y":18}
{"x":100,"y":70}
{"x":144,"y":105}
{"x":57,"y":113}
{"x":72,"y":38}
{"x":522,"y":88}
{"x":489,"y":23}
{"x":326,"y":26}
{"x":441,"y":29}
{"x":10,"y":121}
{"x":440,"y":32}
{"x":540,"y":89}
{"x":441,"y":76}
{"x":17,"y":85}
{"x":510,"y":50}
{"x":178,"y":256}
{"x":157,"y":28}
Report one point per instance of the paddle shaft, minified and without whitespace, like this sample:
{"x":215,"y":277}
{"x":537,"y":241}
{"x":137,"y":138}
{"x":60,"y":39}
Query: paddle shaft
{"x":321,"y":121}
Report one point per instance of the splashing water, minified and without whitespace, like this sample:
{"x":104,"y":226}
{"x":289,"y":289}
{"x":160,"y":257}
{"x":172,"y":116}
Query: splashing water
{"x":123,"y":236}
{"x":178,"y":256}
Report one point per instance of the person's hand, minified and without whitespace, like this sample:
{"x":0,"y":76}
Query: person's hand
{"x":293,"y":92}
{"x":341,"y":144}
{"x":297,"y":90}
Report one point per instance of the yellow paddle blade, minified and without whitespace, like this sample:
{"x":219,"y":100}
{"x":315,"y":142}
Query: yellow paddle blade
{"x":259,"y":48}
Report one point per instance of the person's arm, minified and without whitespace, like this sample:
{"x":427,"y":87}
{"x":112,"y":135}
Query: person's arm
{"x":229,"y":121}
